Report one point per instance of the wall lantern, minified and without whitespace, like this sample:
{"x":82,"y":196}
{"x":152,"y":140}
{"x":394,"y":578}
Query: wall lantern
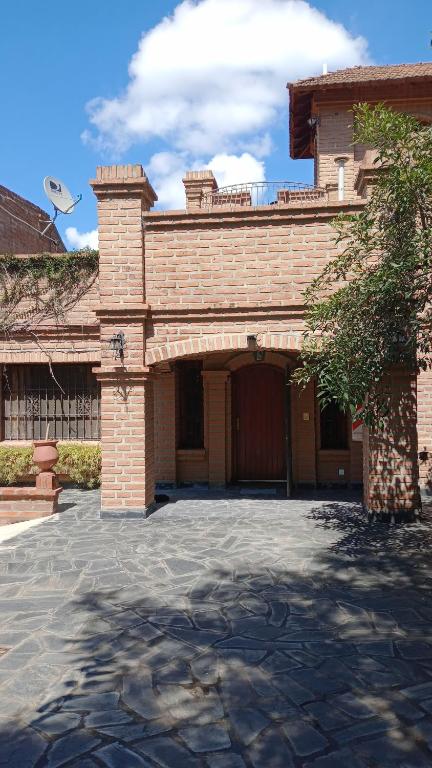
{"x":259,"y":355}
{"x":313,"y":122}
{"x":251,"y":341}
{"x":117,"y":345}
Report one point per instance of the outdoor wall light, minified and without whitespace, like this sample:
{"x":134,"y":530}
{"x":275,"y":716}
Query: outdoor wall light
{"x":313,"y":122}
{"x":259,"y":355}
{"x":117,"y":345}
{"x":251,"y":341}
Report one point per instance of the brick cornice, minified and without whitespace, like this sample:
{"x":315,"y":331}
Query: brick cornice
{"x":211,"y":312}
{"x":123,"y":181}
{"x":266,"y":215}
{"x":119,"y":375}
{"x":125,"y":312}
{"x":52,"y":331}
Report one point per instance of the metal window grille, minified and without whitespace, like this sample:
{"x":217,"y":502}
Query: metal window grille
{"x":32,"y":399}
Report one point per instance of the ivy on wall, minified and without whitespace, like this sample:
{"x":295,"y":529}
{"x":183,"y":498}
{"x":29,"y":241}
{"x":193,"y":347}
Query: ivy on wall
{"x":42,"y":288}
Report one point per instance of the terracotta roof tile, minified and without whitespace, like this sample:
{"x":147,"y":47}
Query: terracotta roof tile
{"x":367,"y":74}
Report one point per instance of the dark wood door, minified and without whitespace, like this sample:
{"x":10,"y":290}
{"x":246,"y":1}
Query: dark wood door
{"x":259,"y":423}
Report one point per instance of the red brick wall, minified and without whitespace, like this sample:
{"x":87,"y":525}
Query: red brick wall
{"x":335,"y":139}
{"x":127,"y":430}
{"x":229,"y":262}
{"x":77,"y":341}
{"x":165,"y":427}
{"x":15,"y":236}
{"x":424,"y":428}
{"x":391,"y":451}
{"x":192,"y":286}
{"x":127,"y":394}
{"x":304,"y":457}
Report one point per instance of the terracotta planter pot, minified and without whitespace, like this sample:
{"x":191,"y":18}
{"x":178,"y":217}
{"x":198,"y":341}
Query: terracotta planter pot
{"x":45,"y":454}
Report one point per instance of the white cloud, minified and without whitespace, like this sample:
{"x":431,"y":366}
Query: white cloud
{"x":167,"y":169}
{"x":232,"y":169}
{"x":79,"y":240}
{"x":211,"y":77}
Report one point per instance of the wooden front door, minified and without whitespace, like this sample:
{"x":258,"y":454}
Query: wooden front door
{"x":259,"y":423}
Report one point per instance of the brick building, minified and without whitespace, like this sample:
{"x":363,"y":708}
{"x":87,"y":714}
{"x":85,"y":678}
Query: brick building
{"x":21,"y":225}
{"x":209,"y":301}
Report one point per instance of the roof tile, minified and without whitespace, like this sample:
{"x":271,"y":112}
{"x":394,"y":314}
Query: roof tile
{"x":367,"y":74}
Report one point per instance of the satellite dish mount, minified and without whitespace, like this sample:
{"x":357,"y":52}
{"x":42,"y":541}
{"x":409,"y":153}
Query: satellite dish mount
{"x":61,"y":198}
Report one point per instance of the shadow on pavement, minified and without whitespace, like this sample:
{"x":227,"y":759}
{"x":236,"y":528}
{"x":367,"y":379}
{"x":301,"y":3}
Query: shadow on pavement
{"x":323,"y":663}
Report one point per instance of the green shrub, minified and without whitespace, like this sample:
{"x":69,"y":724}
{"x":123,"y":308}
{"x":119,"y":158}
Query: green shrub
{"x":15,"y":461}
{"x":82,"y":463}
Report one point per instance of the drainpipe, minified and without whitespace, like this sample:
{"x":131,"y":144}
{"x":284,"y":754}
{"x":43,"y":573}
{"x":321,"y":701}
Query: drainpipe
{"x":340,"y":161}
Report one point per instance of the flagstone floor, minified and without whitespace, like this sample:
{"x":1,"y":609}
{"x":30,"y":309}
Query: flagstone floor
{"x":218,"y":633}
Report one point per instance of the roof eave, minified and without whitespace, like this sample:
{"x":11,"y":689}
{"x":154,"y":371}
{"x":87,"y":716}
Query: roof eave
{"x":300,"y":149}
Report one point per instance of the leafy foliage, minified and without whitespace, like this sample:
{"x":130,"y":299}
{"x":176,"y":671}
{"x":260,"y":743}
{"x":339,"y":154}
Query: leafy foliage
{"x":370,"y":307}
{"x":14,"y":463}
{"x":81,"y":463}
{"x":35,"y":289}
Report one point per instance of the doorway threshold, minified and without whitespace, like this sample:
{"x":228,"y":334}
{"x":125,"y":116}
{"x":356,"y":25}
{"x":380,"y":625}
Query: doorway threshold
{"x":259,"y":488}
{"x":258,"y":491}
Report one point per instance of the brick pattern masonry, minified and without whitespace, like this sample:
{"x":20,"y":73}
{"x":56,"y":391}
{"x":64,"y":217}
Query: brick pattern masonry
{"x":197,"y":282}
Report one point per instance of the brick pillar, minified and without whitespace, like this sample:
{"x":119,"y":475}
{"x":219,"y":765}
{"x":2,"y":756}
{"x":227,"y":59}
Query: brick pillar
{"x":198,"y":185}
{"x":390,"y":452}
{"x":215,"y":387}
{"x":165,"y":435}
{"x":2,"y":421}
{"x":123,"y":194}
{"x":303,"y":435}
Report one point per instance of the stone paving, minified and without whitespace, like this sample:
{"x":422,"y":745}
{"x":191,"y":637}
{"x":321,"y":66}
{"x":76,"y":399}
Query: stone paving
{"x":218,"y":633}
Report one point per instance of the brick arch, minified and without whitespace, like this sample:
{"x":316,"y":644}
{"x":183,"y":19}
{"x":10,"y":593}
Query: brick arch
{"x":229,"y":342}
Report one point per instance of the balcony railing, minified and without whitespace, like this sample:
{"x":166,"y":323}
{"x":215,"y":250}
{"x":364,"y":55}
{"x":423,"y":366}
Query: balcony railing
{"x":278,"y":193}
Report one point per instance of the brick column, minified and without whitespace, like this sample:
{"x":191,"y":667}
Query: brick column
{"x":390,"y":452}
{"x":215,"y":386}
{"x":127,"y":408}
{"x":165,"y":435}
{"x":2,"y":422}
{"x":197,"y":185}
{"x":303,"y":435}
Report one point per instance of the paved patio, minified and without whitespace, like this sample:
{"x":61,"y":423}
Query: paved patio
{"x":219,"y":633}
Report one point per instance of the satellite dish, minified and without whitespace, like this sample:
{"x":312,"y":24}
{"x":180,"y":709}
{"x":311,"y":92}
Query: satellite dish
{"x":59,"y":195}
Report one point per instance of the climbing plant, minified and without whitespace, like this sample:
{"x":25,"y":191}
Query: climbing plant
{"x":371,"y":307}
{"x":42,"y":288}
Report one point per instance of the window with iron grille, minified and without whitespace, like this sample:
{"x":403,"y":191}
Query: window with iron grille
{"x":69,"y":402}
{"x":190,"y":398}
{"x":333,"y":428}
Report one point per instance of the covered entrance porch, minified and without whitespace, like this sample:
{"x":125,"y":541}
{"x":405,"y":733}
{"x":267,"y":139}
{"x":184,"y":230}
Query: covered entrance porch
{"x":233,"y":418}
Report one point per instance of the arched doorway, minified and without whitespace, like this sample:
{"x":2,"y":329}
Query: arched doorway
{"x":259,"y":424}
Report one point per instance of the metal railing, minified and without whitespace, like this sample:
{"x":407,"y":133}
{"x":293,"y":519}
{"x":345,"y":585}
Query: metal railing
{"x":259,"y":193}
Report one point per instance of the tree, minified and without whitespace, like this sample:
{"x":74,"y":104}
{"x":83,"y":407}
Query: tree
{"x":370,"y":308}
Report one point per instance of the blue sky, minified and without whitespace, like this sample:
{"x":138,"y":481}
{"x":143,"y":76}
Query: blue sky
{"x":207,"y":86}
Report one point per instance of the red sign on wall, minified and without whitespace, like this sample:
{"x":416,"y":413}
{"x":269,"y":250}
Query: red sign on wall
{"x":357,"y":426}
